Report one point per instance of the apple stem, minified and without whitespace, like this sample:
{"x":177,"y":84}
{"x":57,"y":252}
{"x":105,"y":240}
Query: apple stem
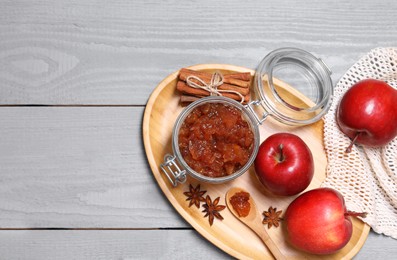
{"x":356,"y":214}
{"x":349,"y":148}
{"x":281,"y":158}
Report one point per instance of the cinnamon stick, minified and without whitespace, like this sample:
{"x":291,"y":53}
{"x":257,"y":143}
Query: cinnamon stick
{"x":224,"y":86}
{"x":187,"y":90}
{"x":246,"y":76}
{"x":185,"y":99}
{"x":242,"y":80}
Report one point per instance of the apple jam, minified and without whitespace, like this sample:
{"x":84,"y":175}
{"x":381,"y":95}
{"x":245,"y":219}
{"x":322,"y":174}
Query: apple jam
{"x":240,"y":203}
{"x":215,"y":140}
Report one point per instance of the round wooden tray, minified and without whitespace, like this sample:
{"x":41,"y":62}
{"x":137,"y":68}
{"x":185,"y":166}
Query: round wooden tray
{"x":230,"y":234}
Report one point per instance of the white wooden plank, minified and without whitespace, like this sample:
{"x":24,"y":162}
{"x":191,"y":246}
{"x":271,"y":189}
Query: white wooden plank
{"x":136,"y":244}
{"x":77,"y":167}
{"x":116,"y":52}
{"x":378,"y":247}
{"x":106,"y":244}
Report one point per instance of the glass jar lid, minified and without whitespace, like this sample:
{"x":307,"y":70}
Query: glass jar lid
{"x":294,"y":86}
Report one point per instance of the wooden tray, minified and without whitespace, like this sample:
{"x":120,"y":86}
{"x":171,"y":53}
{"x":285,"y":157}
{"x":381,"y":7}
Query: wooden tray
{"x":231,"y":235}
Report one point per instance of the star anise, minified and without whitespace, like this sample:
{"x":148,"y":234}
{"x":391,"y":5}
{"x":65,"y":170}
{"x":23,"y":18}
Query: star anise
{"x":212,"y":209}
{"x":272,"y":217}
{"x":195,"y":195}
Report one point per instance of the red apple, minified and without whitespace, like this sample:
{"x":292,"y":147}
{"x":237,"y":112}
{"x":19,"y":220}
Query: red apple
{"x":284,"y":164}
{"x":317,"y":221}
{"x":367,"y":113}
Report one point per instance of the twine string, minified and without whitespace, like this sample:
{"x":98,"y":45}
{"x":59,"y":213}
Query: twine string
{"x":212,"y":86}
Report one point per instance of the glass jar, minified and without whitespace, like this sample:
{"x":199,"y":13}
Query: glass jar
{"x":276,"y":74}
{"x":305,"y":73}
{"x":176,"y":175}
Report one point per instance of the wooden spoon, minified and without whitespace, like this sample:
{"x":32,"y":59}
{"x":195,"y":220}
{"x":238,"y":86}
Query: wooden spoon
{"x":254,"y":222}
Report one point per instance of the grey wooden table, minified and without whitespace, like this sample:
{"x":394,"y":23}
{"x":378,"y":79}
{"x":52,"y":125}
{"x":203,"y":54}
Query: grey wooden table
{"x":74,"y":80}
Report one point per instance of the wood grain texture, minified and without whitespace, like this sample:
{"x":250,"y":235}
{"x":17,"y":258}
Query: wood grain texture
{"x":106,"y":245}
{"x":85,"y":166}
{"x":83,"y":52}
{"x":77,"y":167}
{"x":137,"y":244}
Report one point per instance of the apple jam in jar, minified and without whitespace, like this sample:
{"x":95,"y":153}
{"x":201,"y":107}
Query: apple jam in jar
{"x":215,"y":140}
